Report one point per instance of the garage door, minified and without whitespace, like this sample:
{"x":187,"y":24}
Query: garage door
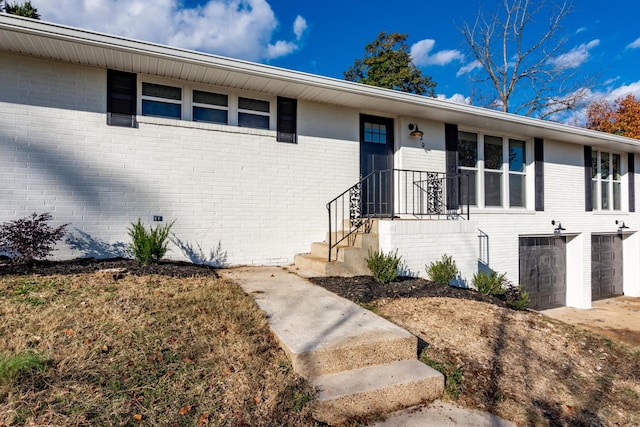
{"x":606,"y":266}
{"x":543,"y":271}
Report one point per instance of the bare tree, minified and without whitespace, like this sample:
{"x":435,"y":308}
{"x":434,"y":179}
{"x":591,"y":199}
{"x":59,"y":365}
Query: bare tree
{"x":516,"y":61}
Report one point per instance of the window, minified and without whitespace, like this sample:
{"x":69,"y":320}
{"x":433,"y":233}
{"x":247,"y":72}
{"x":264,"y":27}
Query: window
{"x":468,"y":165}
{"x":493,"y":167}
{"x":606,"y":181}
{"x":375,"y":133}
{"x":161,"y":101}
{"x":517,"y":178}
{"x":496,"y":168}
{"x":210,"y":107}
{"x":253,"y":113}
{"x":121,"y":98}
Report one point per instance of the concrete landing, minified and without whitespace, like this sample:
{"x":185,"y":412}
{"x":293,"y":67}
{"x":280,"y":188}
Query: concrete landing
{"x":359,"y":362}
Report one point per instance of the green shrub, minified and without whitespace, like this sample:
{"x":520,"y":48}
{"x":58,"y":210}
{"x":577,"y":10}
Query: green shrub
{"x":12,"y":366}
{"x":499,"y":286}
{"x":516,"y":297}
{"x":30,"y":238}
{"x":148,"y":247}
{"x":384,"y":267}
{"x":444,"y":271}
{"x":493,"y":284}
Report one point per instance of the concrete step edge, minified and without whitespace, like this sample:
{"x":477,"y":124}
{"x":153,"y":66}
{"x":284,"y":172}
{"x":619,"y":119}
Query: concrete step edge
{"x":375,"y":390}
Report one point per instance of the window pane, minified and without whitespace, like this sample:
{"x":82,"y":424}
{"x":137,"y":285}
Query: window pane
{"x":604,"y":166}
{"x":253,"y":121}
{"x":594,"y":165}
{"x":616,"y":166}
{"x":493,"y":189}
{"x":253,"y":104}
{"x":616,"y":196}
{"x":201,"y":97}
{"x":492,"y":152}
{"x":594,"y":193}
{"x":161,"y":91}
{"x":604,"y":188}
{"x":211,"y":115}
{"x":468,"y":188}
{"x":517,"y":190}
{"x":467,"y":149}
{"x":161,"y":109}
{"x":375,"y":133}
{"x":517,"y":155}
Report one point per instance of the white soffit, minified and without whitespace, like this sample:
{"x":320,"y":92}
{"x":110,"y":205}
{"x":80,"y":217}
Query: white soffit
{"x":77,"y":46}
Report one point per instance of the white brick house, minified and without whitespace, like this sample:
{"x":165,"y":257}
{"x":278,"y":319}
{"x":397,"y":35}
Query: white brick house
{"x":101,"y":130}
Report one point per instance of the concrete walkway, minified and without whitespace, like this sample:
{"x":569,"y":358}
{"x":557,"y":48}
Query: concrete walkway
{"x":338,"y":345}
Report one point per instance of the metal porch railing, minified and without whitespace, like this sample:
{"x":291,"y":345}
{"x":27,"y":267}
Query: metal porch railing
{"x":393,"y":192}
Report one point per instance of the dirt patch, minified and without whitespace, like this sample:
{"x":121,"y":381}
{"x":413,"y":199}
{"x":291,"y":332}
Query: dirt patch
{"x":520,"y":365}
{"x":616,"y":318}
{"x":92,"y":265}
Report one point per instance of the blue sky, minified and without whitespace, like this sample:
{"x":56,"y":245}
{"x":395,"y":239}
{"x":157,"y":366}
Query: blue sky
{"x":325,"y":37}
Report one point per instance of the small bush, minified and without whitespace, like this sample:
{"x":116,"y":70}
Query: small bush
{"x":384,"y":267}
{"x":516,"y":297}
{"x":148,"y":247}
{"x":12,"y":366}
{"x":499,"y":286}
{"x":30,"y":238}
{"x":444,"y":271}
{"x":493,"y":284}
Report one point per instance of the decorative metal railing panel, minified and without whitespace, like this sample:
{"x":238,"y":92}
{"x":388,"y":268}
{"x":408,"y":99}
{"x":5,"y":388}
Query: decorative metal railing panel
{"x":394,"y":192}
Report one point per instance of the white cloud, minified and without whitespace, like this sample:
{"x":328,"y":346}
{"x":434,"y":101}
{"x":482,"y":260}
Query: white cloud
{"x":458,"y":98}
{"x":466,"y":69}
{"x":575,"y":57}
{"x":299,"y":26}
{"x":581,"y":29}
{"x":236,"y":28}
{"x":635,"y":44}
{"x":422,"y":56}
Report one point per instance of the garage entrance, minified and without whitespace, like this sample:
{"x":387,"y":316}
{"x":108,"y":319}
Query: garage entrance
{"x":543,"y":271}
{"x":606,"y":266}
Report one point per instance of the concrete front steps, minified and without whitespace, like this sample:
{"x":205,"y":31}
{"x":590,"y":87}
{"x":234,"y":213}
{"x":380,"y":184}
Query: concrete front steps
{"x":348,"y":258}
{"x":360,"y":363}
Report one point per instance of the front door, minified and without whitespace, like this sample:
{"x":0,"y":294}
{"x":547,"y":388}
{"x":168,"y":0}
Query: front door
{"x":376,"y":164}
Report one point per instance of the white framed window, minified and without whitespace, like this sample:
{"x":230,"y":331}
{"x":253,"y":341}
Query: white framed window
{"x":201,"y":104}
{"x":606,"y":177}
{"x":497,"y":170}
{"x":210,"y":107}
{"x":253,"y":113}
{"x":161,"y":100}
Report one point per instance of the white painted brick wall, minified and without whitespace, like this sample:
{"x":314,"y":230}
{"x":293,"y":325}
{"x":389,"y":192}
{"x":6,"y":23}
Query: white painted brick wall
{"x":261,"y":200}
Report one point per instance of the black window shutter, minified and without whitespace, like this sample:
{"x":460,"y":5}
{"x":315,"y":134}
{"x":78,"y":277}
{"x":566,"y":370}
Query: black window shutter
{"x":451,"y":165}
{"x":588,"y":193}
{"x":631,"y":168}
{"x":287,"y":120}
{"x":121,"y":98}
{"x":538,"y":157}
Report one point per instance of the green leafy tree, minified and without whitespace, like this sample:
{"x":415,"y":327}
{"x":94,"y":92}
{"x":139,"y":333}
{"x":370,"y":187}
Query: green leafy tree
{"x":25,"y":9}
{"x":387,"y":63}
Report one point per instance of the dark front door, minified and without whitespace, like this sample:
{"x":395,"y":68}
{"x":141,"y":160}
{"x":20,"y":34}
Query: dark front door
{"x":376,"y":165}
{"x":543,"y":271}
{"x":606,"y":266}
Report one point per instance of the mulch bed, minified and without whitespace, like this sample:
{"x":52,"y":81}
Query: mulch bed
{"x":92,"y":265}
{"x":364,"y":289}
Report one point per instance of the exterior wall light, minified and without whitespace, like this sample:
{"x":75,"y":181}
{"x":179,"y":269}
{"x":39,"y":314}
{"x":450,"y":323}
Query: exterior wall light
{"x":559,"y":228}
{"x":415,"y":131}
{"x":621,"y":226}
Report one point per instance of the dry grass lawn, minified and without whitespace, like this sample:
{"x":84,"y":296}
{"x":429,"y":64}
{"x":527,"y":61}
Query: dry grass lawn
{"x":142,"y":350}
{"x":523,"y":366}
